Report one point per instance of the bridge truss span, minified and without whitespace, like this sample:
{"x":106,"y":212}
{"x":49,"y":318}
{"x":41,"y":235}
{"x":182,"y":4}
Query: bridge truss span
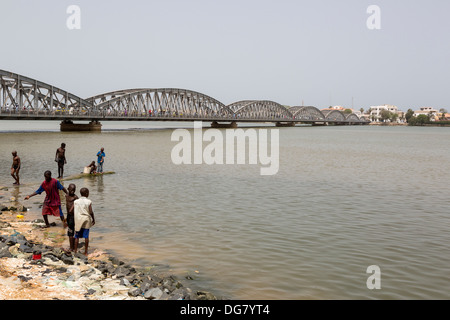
{"x":307,"y":113}
{"x":260,"y":109}
{"x":160,"y":103}
{"x":26,"y":98}
{"x":23,"y":94}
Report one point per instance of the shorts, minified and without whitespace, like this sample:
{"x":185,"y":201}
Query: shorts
{"x":70,"y":225}
{"x":83,"y":233}
{"x":52,"y":211}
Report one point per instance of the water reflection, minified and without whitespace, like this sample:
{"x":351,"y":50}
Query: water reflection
{"x":344,"y":198}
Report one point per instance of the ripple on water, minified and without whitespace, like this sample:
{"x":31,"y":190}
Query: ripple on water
{"x":343,"y":199}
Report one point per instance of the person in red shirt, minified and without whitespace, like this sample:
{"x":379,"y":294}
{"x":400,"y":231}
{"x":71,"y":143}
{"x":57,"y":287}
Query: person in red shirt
{"x":52,"y":202}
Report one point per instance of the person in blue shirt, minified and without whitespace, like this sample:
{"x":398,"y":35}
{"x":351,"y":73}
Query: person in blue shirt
{"x":100,"y":160}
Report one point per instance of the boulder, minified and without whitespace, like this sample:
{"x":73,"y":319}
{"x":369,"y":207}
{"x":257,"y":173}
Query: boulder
{"x":153,"y":294}
{"x":134,"y":292}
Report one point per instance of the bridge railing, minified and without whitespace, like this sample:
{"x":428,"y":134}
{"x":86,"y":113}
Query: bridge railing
{"x":123,"y":114}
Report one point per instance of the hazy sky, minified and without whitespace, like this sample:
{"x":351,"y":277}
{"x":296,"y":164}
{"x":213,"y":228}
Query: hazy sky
{"x":317,"y":53}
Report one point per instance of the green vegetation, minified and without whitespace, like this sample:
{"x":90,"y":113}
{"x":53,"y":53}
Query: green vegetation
{"x":388,"y":115}
{"x":348,"y":111}
{"x":409,"y":114}
{"x":420,"y":120}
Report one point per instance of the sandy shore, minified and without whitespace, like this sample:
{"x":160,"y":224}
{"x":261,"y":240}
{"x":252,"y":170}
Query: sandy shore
{"x":67,"y":276}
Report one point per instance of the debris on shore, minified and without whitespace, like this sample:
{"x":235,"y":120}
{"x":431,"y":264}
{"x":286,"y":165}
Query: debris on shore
{"x":36,"y":267}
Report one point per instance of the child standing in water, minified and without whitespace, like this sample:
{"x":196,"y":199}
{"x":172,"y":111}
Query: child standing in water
{"x":84,"y":219}
{"x":70,"y":198}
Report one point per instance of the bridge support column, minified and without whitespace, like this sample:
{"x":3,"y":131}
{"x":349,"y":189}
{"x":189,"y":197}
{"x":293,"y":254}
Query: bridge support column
{"x":68,"y":125}
{"x":215,"y":124}
{"x":285,"y":124}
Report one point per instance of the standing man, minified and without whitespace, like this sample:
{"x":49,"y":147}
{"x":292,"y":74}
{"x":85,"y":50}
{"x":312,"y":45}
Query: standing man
{"x":100,"y":160}
{"x":52,"y":202}
{"x":15,"y":168}
{"x":60,"y":158}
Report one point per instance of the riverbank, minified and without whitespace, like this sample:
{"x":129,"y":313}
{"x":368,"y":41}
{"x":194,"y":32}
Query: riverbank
{"x":35,"y":266}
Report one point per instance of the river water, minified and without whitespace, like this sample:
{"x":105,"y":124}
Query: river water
{"x":344,"y":198}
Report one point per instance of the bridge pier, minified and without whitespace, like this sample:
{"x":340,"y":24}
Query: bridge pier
{"x":285,"y":124}
{"x":68,"y":125}
{"x":215,"y":124}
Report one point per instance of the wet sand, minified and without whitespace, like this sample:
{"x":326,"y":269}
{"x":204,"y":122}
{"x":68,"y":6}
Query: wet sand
{"x":68,"y":276}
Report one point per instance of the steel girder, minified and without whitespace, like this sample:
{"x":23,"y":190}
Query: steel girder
{"x":19,"y":93}
{"x":353,"y":118}
{"x":159,"y":102}
{"x":307,"y":113}
{"x":260,"y":109}
{"x":334,"y":115}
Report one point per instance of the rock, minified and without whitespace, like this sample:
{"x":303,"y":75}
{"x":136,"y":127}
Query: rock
{"x":181,"y":294}
{"x":125,"y":282}
{"x":90,"y":292}
{"x":154,"y":293}
{"x":51,"y":256}
{"x":4,"y":252}
{"x":176,"y":297}
{"x":145,"y":286}
{"x":121,"y":272}
{"x":61,"y":270}
{"x":204,"y":295}
{"x":116,"y":261}
{"x":25,"y":248}
{"x":67,"y":259}
{"x":134,"y":292}
{"x":82,"y":257}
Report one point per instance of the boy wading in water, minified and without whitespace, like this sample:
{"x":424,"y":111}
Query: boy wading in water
{"x":84,"y":219}
{"x":60,"y":158}
{"x":70,"y":198}
{"x":52,"y":202}
{"x":15,"y":167}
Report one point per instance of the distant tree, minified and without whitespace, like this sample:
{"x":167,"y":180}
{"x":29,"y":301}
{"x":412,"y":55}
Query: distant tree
{"x":421,"y":119}
{"x":442,"y":110}
{"x":409,"y":115}
{"x":412,"y":121}
{"x":394,"y":116}
{"x":385,"y":114}
{"x":361,"y":110}
{"x":348,"y":111}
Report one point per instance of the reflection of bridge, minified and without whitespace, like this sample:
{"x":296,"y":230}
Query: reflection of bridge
{"x":23,"y":98}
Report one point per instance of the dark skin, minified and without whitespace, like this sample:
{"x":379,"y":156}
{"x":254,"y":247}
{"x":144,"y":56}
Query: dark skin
{"x":48,"y":178}
{"x":15,"y":167}
{"x":70,"y":198}
{"x":60,"y":158}
{"x":84,"y":193}
{"x":93,"y":167}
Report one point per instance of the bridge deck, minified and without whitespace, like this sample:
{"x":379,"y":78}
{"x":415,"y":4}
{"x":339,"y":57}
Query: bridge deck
{"x":43,"y":115}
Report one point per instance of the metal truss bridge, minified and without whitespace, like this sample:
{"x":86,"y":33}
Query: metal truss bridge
{"x":23,"y":98}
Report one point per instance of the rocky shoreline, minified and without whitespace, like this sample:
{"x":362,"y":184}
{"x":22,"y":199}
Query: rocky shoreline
{"x":34,"y":266}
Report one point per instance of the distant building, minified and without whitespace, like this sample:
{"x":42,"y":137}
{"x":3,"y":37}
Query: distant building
{"x":428,"y":111}
{"x":334,"y":108}
{"x":375,"y":111}
{"x":357,"y":112}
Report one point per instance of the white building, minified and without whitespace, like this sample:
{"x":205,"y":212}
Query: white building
{"x":375,"y":111}
{"x":426,"y":111}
